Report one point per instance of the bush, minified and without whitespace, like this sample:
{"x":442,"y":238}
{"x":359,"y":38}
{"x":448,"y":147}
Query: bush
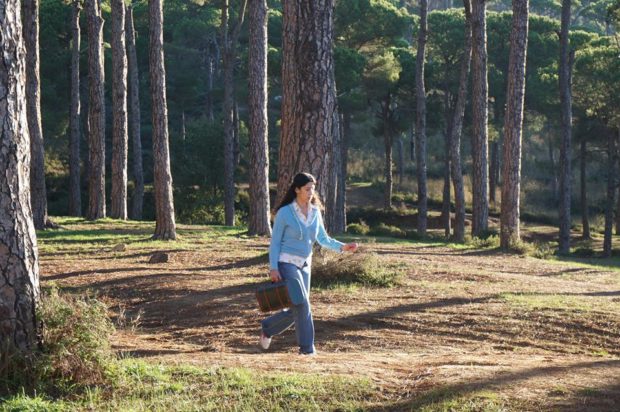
{"x":360,"y":268}
{"x":75,"y":351}
{"x":543,"y":250}
{"x":485,"y":243}
{"x":358,"y":228}
{"x":386,"y":230}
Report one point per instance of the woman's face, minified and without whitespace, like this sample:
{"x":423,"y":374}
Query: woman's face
{"x":305,"y":193}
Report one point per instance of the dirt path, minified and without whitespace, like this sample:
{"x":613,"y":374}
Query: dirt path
{"x":538,"y":334}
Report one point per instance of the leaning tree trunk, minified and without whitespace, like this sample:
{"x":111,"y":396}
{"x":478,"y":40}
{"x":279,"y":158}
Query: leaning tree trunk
{"x":165,"y":227}
{"x":480,"y":117}
{"x":19,"y":271}
{"x":565,"y":148}
{"x":33,"y":100}
{"x":611,"y":192}
{"x":309,"y":92}
{"x":420,"y":121}
{"x":513,"y":126}
{"x":585,"y":221}
{"x":258,"y":223}
{"x":75,"y":194}
{"x":457,"y":127}
{"x":118,"y":204}
{"x":96,"y":113}
{"x":134,"y":103}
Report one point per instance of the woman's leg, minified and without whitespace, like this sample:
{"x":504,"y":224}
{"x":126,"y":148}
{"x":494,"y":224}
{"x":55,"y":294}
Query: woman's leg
{"x":304,"y":324}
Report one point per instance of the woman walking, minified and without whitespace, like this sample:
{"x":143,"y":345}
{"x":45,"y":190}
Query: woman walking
{"x":297,"y":226}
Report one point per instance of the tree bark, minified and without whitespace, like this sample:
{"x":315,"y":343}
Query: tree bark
{"x":401,"y":161}
{"x":446,"y":202}
{"x":19,"y":269}
{"x":118,"y":204}
{"x":554,"y":175}
{"x":257,"y":104}
{"x":96,"y":113}
{"x":585,"y":220}
{"x":229,"y":43}
{"x":387,"y":144}
{"x":309,"y":93}
{"x":33,"y":101}
{"x":494,"y":171}
{"x":566,"y":121}
{"x":513,"y":126}
{"x":134,"y":104}
{"x":420,"y":123}
{"x":335,"y":220}
{"x":611,"y":193}
{"x":165,"y":226}
{"x":457,"y":127}
{"x":480,"y":117}
{"x":75,"y":193}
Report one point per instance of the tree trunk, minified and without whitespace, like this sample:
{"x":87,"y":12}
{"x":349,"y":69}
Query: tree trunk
{"x":480,"y":117}
{"x":420,"y":123}
{"x":96,"y":113}
{"x":554,"y":175}
{"x":236,"y":135}
{"x":445,"y":204}
{"x":494,"y":171}
{"x":457,"y":127}
{"x":75,"y":193}
{"x":165,"y":226}
{"x":513,"y":126}
{"x":585,"y":221}
{"x":341,"y":200}
{"x":335,"y":220}
{"x":565,"y":148}
{"x":309,"y":93}
{"x":229,"y":41}
{"x":33,"y":101}
{"x":258,"y":223}
{"x":611,"y":192}
{"x":19,"y":269}
{"x":118,"y":204}
{"x":387,"y":144}
{"x":134,"y":104}
{"x":401,"y":162}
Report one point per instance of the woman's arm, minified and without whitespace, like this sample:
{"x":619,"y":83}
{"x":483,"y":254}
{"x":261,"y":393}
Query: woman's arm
{"x":276,"y":240}
{"x":324,"y":239}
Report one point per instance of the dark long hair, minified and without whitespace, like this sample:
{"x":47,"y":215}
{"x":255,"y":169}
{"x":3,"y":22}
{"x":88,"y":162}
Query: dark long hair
{"x":299,"y":181}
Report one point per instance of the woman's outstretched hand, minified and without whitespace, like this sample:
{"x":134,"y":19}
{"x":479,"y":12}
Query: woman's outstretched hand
{"x":275,"y":275}
{"x":350,"y":247}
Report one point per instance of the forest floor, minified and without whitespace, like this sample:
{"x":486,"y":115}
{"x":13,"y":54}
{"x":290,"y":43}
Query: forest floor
{"x":468,"y":329}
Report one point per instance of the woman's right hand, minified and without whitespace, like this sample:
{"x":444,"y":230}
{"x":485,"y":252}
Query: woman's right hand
{"x":275,"y":275}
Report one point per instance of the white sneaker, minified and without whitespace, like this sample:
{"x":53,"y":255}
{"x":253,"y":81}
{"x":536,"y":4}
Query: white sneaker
{"x":264,"y":341}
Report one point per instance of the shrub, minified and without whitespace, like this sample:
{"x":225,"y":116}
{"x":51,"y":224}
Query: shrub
{"x":76,"y":348}
{"x":543,"y":250}
{"x":75,"y":352}
{"x":386,"y":230}
{"x":360,"y":268}
{"x":358,"y":228}
{"x":485,"y":243}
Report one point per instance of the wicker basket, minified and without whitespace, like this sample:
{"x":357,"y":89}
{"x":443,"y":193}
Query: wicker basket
{"x":273,"y":296}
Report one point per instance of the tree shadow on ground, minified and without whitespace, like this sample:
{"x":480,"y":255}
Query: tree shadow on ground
{"x":600,"y":399}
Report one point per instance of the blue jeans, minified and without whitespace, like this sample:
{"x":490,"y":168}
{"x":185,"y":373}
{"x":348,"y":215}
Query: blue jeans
{"x":300,"y":314}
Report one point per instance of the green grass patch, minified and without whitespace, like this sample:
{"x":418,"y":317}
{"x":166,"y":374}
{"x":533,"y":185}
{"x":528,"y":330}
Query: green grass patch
{"x":454,"y":400}
{"x":79,"y":235}
{"x":144,"y":386}
{"x":582,"y":303}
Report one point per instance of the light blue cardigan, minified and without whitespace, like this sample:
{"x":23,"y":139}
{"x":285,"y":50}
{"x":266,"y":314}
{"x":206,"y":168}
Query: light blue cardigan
{"x":291,"y":236}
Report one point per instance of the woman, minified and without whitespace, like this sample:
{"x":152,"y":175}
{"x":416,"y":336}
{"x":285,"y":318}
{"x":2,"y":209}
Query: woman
{"x":298,"y":224}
